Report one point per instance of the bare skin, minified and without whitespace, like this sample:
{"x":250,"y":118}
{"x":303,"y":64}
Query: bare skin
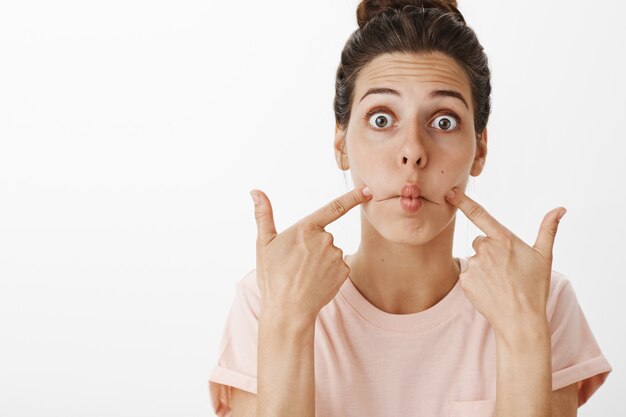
{"x":298,"y":271}
{"x":404,"y":263}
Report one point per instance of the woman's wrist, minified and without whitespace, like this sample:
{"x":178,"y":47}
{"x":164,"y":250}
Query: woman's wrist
{"x":524,"y":333}
{"x":284,"y":319}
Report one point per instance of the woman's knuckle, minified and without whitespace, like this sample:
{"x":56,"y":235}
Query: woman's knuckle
{"x":338,"y":206}
{"x":476,"y":211}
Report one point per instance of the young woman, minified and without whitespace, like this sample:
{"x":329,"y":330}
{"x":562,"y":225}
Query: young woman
{"x":401,"y":327}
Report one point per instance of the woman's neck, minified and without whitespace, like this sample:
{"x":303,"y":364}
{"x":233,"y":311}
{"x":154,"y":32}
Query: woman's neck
{"x":401,"y":278}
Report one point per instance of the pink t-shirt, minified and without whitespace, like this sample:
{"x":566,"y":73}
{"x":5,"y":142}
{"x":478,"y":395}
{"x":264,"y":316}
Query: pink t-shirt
{"x":437,"y":362}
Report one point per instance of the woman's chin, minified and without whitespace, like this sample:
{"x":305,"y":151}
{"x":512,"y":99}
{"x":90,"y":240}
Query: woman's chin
{"x":408,"y":234}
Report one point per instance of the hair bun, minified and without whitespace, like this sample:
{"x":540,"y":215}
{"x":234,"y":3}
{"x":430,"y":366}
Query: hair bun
{"x":368,"y":9}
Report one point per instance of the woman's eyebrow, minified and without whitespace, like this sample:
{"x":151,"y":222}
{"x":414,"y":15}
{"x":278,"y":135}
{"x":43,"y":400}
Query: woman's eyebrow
{"x":434,"y":93}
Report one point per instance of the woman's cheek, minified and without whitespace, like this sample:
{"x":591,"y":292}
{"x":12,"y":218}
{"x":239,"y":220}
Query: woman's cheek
{"x":367,"y":170}
{"x":369,"y":156}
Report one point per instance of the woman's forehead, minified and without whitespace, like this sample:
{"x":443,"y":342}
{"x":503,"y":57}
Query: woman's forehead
{"x":413,"y":70}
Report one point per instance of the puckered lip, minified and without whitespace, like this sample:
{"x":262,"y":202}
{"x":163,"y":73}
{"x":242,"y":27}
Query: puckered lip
{"x":399,"y":196}
{"x":411,"y":189}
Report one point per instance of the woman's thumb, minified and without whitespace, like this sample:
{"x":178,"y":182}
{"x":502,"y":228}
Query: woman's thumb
{"x":266,"y":230}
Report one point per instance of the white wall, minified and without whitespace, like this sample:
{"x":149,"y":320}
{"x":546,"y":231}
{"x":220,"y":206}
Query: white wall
{"x":131,"y":132}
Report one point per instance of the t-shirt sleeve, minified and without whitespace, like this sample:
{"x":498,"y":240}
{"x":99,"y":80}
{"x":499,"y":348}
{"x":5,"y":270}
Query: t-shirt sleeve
{"x":237,"y":359}
{"x":576,"y":356}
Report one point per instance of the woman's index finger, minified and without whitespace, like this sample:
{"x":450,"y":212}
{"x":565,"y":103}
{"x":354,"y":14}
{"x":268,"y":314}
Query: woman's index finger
{"x":477,"y":214}
{"x":337,"y":208}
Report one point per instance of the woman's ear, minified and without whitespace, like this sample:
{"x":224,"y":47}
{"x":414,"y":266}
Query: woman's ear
{"x":481,"y":153}
{"x":340,"y":149}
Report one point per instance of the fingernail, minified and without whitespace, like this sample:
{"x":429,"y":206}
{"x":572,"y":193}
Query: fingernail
{"x":561,"y":214}
{"x":450,"y":194}
{"x":366,"y":191}
{"x":255,"y":197}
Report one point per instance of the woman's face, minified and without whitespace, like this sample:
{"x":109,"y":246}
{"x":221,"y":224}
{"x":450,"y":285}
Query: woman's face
{"x":423,"y":134}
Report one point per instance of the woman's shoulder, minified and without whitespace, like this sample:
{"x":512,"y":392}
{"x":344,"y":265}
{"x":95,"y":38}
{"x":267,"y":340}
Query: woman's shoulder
{"x":249,"y":281}
{"x":560,"y":285}
{"x":558,"y":280}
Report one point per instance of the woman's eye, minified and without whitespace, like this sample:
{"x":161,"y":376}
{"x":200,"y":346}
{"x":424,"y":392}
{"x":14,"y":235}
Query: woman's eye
{"x":380,"y":120}
{"x":445,"y":122}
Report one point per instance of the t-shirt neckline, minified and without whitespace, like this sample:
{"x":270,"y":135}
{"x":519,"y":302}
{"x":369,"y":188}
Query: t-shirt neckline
{"x":424,"y":320}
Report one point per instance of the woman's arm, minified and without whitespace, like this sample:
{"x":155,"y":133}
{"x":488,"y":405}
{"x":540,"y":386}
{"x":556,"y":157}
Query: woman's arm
{"x":524,"y":370}
{"x":565,"y":401}
{"x":285,"y":367}
{"x":242,"y":403}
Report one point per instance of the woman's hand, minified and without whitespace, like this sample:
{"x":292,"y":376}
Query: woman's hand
{"x":507,"y":280}
{"x":299,"y":271}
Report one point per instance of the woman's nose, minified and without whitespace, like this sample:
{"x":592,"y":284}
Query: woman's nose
{"x":413,"y":151}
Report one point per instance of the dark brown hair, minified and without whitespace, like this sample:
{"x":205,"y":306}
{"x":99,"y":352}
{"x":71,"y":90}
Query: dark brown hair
{"x":418,"y":26}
